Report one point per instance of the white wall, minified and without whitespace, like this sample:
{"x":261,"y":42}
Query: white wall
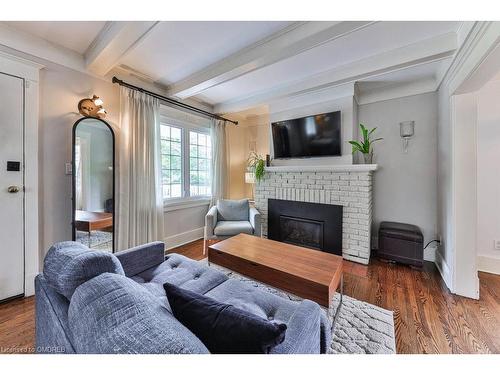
{"x":457,"y":169}
{"x":444,"y":254}
{"x":464,"y":117}
{"x":405,"y":184}
{"x":60,"y":91}
{"x":488,"y":176}
{"x":184,"y":225}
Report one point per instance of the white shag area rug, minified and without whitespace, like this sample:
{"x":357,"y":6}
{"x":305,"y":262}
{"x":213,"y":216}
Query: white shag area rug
{"x":362,"y":328}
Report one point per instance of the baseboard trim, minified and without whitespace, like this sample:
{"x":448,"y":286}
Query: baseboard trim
{"x":430,"y":254}
{"x":29,"y":284}
{"x":444,"y":270}
{"x":488,"y":264}
{"x":183,"y":238}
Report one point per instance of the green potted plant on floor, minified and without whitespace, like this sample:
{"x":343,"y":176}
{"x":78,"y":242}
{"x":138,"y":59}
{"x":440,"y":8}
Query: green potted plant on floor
{"x":365,"y":146}
{"x":256,"y":163}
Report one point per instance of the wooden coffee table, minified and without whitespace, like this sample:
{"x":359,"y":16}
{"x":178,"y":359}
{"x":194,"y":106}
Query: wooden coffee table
{"x":307,"y":273}
{"x":87,"y":221}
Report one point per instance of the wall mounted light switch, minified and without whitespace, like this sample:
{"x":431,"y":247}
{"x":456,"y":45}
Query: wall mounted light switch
{"x":496,"y":244}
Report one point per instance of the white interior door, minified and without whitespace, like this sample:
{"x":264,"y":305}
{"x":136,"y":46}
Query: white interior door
{"x":11,"y":187}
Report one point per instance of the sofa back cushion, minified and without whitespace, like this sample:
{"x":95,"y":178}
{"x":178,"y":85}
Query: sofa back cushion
{"x":233,"y":210}
{"x":140,"y":258}
{"x":113,"y":314}
{"x":69,"y":264}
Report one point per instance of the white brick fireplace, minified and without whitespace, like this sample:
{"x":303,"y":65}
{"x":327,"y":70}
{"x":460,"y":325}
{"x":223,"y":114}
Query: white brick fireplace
{"x":347,"y":185}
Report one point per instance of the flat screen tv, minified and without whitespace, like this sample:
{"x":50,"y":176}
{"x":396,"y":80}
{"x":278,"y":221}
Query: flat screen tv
{"x":311,"y":136}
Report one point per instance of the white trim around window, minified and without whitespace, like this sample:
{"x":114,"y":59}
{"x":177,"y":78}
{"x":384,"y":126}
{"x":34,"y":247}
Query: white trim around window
{"x":169,"y":117}
{"x":187,"y":202}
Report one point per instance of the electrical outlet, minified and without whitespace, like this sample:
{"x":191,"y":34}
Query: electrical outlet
{"x":496,"y":244}
{"x":68,"y":168}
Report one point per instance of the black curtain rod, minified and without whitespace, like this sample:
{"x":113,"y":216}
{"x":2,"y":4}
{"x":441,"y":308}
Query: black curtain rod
{"x":172,"y":101}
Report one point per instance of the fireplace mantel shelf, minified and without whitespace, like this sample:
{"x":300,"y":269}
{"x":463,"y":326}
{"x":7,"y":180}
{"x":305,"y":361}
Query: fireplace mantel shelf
{"x":324,"y":168}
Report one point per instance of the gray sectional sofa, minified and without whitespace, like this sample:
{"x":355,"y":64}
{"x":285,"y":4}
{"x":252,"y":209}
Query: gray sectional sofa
{"x":91,"y":301}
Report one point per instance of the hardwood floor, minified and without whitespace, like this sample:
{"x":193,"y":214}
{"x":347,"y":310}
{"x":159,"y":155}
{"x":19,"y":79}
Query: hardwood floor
{"x":17,"y":326}
{"x":427,"y":318}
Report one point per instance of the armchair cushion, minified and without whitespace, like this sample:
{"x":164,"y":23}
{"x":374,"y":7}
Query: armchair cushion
{"x":232,"y":228}
{"x":233,"y":210}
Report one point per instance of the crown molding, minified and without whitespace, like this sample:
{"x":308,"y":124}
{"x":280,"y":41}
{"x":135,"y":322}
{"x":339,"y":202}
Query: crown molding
{"x":20,"y":67}
{"x":479,"y":41}
{"x":40,"y":48}
{"x":396,"y":91}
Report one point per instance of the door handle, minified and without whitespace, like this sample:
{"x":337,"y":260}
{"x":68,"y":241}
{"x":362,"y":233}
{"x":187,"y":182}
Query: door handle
{"x":13,"y":189}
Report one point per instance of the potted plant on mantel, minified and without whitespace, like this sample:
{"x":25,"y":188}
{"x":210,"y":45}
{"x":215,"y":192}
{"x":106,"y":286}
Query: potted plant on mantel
{"x":365,"y":146}
{"x":256,"y":163}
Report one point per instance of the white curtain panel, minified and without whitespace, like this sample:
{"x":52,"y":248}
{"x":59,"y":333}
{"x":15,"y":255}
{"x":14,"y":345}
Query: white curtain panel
{"x":219,"y":160}
{"x":140,"y":203}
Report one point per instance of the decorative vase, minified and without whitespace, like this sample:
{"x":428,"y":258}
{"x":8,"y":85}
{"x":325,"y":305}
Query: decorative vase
{"x":368,"y":158}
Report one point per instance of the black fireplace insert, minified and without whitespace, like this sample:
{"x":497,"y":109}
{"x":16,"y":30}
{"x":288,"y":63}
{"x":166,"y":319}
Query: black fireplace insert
{"x":314,"y":225}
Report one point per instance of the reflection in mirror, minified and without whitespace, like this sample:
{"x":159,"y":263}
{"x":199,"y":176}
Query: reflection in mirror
{"x":93,"y":184}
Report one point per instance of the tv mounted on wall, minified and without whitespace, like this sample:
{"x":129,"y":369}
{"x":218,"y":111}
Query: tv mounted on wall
{"x":310,"y":136}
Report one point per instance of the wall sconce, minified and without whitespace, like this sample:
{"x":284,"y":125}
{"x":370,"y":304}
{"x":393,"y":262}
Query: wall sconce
{"x":406,"y":131}
{"x":92,"y":107}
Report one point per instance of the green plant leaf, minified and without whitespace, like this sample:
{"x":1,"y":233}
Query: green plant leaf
{"x":259,"y":170}
{"x":356,"y":146}
{"x":365,"y":145}
{"x":364,"y":132}
{"x":256,"y":164}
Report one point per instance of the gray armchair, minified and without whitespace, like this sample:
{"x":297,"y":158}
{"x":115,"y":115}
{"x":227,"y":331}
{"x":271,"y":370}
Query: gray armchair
{"x":229,"y":218}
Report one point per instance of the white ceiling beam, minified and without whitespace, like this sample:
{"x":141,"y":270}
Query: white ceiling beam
{"x":297,"y":38}
{"x":426,"y":51}
{"x":114,"y":42}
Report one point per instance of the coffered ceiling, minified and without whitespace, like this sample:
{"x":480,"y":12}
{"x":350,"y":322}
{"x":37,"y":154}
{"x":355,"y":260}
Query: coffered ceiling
{"x":237,"y":66}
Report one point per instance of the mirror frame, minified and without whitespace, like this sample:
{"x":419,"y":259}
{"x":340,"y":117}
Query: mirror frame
{"x":73,"y":169}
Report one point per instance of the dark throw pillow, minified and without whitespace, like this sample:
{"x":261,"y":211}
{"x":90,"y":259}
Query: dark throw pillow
{"x":223,"y":328}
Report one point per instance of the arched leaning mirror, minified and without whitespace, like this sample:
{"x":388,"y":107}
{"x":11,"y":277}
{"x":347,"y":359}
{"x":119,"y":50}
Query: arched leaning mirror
{"x":93,"y":184}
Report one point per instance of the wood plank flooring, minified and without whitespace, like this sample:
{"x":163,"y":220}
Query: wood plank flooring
{"x":427,"y":318}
